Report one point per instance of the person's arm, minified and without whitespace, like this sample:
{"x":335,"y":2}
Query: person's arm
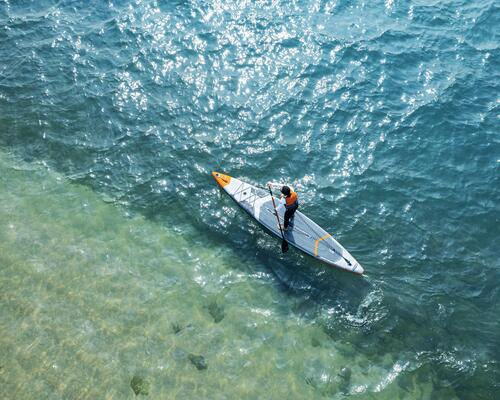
{"x":276,"y":187}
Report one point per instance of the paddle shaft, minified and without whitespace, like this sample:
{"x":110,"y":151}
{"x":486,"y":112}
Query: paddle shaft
{"x":284,"y":246}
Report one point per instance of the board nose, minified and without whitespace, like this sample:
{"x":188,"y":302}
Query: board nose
{"x":222,"y":179}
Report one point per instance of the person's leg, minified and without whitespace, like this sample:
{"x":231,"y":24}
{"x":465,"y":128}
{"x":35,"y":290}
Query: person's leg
{"x":288,"y":215}
{"x":291,"y":214}
{"x":287,"y":219}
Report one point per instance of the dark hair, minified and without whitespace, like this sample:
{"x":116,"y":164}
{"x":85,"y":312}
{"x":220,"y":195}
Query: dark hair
{"x":285,"y":190}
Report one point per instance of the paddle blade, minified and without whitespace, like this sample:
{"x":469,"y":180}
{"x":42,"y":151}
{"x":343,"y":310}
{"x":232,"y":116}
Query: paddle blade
{"x":284,"y":246}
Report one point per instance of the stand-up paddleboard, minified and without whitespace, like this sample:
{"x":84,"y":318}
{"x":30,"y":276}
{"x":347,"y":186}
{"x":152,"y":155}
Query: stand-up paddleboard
{"x":302,"y":232}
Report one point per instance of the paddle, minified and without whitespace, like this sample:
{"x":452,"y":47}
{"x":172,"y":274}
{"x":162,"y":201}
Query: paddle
{"x":284,"y":243}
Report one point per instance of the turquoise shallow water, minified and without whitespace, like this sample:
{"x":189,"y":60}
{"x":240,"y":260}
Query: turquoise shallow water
{"x":120,"y":258}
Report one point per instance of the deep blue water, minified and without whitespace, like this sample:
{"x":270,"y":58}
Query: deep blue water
{"x":385,"y":116}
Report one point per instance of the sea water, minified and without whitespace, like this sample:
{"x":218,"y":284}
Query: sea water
{"x":125,"y":271}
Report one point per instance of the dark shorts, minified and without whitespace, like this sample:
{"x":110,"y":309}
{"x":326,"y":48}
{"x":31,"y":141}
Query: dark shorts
{"x":289,"y":213}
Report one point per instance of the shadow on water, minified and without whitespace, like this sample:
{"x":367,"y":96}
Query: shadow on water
{"x":314,"y":284}
{"x":297,"y":275}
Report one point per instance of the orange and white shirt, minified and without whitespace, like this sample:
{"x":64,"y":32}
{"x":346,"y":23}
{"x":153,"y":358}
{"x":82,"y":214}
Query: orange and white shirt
{"x":289,"y":201}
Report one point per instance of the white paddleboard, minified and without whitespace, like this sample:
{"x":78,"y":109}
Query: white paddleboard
{"x":303,"y":233}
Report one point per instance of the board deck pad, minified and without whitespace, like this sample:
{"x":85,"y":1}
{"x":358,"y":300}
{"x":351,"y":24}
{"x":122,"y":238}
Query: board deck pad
{"x":302,"y":232}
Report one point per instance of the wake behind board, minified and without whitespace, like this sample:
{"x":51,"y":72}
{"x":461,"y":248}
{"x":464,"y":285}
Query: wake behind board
{"x":304,"y":234}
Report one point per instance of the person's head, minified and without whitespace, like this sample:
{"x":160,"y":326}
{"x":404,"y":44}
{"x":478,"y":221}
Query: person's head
{"x":285,"y":190}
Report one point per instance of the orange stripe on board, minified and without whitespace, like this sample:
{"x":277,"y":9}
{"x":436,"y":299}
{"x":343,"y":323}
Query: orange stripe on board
{"x":317,"y":243}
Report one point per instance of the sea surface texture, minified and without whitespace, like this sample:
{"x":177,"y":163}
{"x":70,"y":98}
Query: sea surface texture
{"x":125,"y":271}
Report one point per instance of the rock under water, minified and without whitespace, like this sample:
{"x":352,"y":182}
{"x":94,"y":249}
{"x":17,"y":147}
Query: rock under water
{"x":139,"y":385}
{"x":198,"y":361}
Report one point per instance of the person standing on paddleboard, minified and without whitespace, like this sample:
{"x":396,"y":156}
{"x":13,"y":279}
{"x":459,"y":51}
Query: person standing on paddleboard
{"x":290,"y":200}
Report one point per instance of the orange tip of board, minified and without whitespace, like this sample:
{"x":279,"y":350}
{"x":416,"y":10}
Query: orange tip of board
{"x":221,"y":179}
